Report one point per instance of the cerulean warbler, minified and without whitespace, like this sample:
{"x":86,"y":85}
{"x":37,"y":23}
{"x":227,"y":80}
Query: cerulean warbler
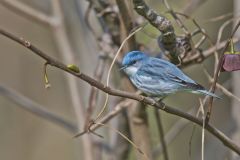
{"x":157,"y":77}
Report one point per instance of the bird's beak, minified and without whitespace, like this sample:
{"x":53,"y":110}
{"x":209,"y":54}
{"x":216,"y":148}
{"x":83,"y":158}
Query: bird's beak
{"x":122,"y":68}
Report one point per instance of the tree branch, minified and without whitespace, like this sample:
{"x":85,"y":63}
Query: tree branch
{"x":66,"y":52}
{"x":22,"y":9}
{"x":161,"y":134}
{"x":114,"y":92}
{"x":168,"y":37}
{"x":192,"y":6}
{"x":217,"y":71}
{"x":206,"y":53}
{"x":38,"y":110}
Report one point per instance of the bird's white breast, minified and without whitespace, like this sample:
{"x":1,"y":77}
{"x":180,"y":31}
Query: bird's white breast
{"x":131,"y":70}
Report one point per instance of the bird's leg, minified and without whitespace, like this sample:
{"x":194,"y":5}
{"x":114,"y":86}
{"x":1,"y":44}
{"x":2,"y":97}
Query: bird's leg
{"x":163,"y":106}
{"x":143,"y":95}
{"x":156,"y":100}
{"x":154,"y":103}
{"x":159,"y":101}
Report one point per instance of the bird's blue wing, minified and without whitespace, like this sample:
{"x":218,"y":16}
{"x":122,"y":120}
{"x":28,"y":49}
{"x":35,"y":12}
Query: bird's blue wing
{"x":158,"y":68}
{"x":157,"y":76}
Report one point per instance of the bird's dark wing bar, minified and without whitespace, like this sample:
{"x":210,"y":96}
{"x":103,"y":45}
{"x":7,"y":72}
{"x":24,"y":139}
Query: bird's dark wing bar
{"x":194,"y":86}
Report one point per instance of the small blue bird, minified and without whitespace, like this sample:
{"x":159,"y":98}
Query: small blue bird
{"x":157,"y":77}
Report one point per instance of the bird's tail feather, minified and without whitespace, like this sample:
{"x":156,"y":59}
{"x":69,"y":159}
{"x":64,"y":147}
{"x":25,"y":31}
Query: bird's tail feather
{"x":208,"y":94}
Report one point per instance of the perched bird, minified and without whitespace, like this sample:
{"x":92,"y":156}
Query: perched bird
{"x":157,"y":77}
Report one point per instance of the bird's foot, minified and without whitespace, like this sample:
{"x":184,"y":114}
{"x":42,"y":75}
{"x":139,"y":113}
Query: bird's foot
{"x":142,"y":98}
{"x":153,"y":103}
{"x":163,"y":106}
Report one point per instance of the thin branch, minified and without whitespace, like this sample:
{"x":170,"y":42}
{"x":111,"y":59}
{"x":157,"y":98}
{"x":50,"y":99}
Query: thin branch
{"x":127,"y":139}
{"x":218,"y":18}
{"x":170,"y":136}
{"x":186,"y":41}
{"x":205,"y":54}
{"x":203,"y":129}
{"x":111,"y":66}
{"x":161,"y":134}
{"x":117,"y":109}
{"x":222,"y":88}
{"x":36,"y":109}
{"x":217,"y":71}
{"x":98,"y":73}
{"x":192,"y":6}
{"x":28,"y":12}
{"x":223,"y":26}
{"x":66,"y":52}
{"x":203,"y":32}
{"x":174,"y":15}
{"x":114,"y":92}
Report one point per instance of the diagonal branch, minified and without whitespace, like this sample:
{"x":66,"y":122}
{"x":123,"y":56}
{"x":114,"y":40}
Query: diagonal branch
{"x":36,"y":109}
{"x":114,"y":92}
{"x":22,"y":9}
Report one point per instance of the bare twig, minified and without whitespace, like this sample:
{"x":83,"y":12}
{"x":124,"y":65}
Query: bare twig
{"x":171,"y":110}
{"x":161,"y":134}
{"x":98,"y":73}
{"x":173,"y":133}
{"x":68,"y":56}
{"x":218,"y":18}
{"x":127,"y":139}
{"x":36,"y":109}
{"x":28,"y":12}
{"x":192,"y":6}
{"x":217,"y":71}
{"x":179,"y":22}
{"x":204,"y":37}
{"x":203,"y":128}
{"x":117,"y":109}
{"x":222,"y":88}
{"x":111,"y":66}
{"x":223,"y":26}
{"x":205,"y":54}
{"x":186,"y":41}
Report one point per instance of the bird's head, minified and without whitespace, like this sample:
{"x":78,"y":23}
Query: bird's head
{"x":132,"y":61}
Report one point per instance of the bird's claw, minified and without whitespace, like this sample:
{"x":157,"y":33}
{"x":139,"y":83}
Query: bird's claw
{"x":142,"y":98}
{"x":153,"y":103}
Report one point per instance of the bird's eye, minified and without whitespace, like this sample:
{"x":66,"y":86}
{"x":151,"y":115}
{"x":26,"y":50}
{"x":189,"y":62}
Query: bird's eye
{"x":134,"y":62}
